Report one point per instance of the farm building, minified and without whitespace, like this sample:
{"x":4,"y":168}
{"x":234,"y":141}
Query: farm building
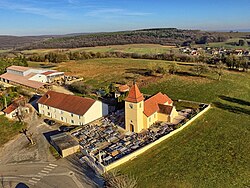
{"x":29,"y":77}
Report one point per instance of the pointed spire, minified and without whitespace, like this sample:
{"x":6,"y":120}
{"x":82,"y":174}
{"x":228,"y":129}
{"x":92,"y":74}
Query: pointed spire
{"x":134,"y":94}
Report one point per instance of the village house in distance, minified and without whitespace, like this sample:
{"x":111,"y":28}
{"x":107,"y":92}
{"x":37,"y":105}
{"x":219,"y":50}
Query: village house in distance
{"x":71,"y":109}
{"x":141,"y":114}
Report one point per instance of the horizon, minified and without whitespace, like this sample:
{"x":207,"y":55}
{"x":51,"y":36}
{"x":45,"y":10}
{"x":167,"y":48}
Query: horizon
{"x":97,"y":32}
{"x":60,"y":17}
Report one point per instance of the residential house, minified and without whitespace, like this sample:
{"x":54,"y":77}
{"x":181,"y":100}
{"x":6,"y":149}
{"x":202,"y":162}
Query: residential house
{"x":17,"y":107}
{"x":71,"y":109}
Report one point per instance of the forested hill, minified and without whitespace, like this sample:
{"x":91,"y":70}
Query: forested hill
{"x":12,"y":42}
{"x":164,"y":36}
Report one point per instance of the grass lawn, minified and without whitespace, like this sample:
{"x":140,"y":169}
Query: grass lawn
{"x":9,"y":129}
{"x":212,"y":152}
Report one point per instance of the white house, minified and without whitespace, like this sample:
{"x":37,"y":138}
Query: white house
{"x":71,"y":109}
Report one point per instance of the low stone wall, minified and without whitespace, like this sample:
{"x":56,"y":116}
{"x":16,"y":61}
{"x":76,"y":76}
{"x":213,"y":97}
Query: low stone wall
{"x":145,"y":148}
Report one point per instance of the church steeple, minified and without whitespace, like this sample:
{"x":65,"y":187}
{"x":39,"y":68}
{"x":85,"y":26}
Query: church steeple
{"x":134,"y":94}
{"x":134,"y":107}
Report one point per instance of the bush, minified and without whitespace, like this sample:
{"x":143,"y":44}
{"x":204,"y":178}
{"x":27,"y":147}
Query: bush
{"x":80,"y":87}
{"x":116,"y":180}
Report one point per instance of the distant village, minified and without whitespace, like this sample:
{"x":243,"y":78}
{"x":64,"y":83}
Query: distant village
{"x":214,"y":51}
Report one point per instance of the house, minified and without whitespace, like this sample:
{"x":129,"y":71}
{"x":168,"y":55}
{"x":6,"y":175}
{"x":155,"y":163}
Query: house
{"x":15,"y":108}
{"x":71,"y":109}
{"x":29,"y":77}
{"x":121,"y":90}
{"x":141,"y":114}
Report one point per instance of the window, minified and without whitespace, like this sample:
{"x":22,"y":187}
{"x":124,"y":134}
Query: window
{"x":140,"y":105}
{"x":72,"y":121}
{"x":150,"y":119}
{"x":48,"y":114}
{"x":131,"y":106}
{"x":48,"y":107}
{"x":79,"y":117}
{"x":62,"y":118}
{"x":72,"y":115}
{"x":154,"y":115}
{"x":61,"y":112}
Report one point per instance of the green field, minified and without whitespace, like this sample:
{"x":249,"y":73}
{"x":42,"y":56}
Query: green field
{"x":227,"y":44}
{"x":212,"y":152}
{"x":9,"y":129}
{"x":130,"y":48}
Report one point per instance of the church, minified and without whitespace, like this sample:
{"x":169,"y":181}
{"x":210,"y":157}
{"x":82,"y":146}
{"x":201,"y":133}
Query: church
{"x":141,"y":114}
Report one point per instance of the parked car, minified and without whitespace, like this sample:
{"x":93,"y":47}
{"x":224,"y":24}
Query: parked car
{"x":49,"y":122}
{"x":65,"y":128}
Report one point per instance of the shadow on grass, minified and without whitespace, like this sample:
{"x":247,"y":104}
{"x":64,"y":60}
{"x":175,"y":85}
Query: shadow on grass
{"x":234,"y":109}
{"x":234,"y":100}
{"x":142,"y":71}
{"x":184,"y":73}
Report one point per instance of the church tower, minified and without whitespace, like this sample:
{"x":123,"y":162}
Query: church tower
{"x":134,"y":107}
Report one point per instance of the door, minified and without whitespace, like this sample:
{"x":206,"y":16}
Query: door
{"x":132,"y":128}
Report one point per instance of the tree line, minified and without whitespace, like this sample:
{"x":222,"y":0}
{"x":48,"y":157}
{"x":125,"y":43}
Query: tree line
{"x":163,"y":36}
{"x":6,"y":62}
{"x":231,"y":61}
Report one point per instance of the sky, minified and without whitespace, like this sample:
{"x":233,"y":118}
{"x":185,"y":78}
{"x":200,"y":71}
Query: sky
{"x":41,"y":17}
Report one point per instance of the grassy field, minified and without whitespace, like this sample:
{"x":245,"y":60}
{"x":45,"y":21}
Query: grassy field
{"x":227,"y":44}
{"x":214,"y":150}
{"x":9,"y":129}
{"x":100,"y":72}
{"x":130,"y":48}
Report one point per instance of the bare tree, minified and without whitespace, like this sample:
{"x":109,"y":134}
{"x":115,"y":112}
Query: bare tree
{"x":200,"y":68}
{"x":219,"y":69}
{"x":28,"y":136}
{"x":114,"y":179}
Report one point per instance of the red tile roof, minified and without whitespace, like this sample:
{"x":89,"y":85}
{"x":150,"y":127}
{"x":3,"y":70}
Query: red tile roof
{"x":13,"y":106}
{"x":70,"y":103}
{"x":48,"y":72}
{"x":18,"y":68}
{"x":134,"y":95}
{"x":151,"y":105}
{"x":123,"y":88}
{"x":22,"y":80}
{"x":165,"y":109}
{"x":10,"y":108}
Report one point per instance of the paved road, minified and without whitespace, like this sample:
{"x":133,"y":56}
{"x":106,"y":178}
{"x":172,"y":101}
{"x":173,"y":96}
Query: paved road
{"x":36,"y":167}
{"x":44,"y":175}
